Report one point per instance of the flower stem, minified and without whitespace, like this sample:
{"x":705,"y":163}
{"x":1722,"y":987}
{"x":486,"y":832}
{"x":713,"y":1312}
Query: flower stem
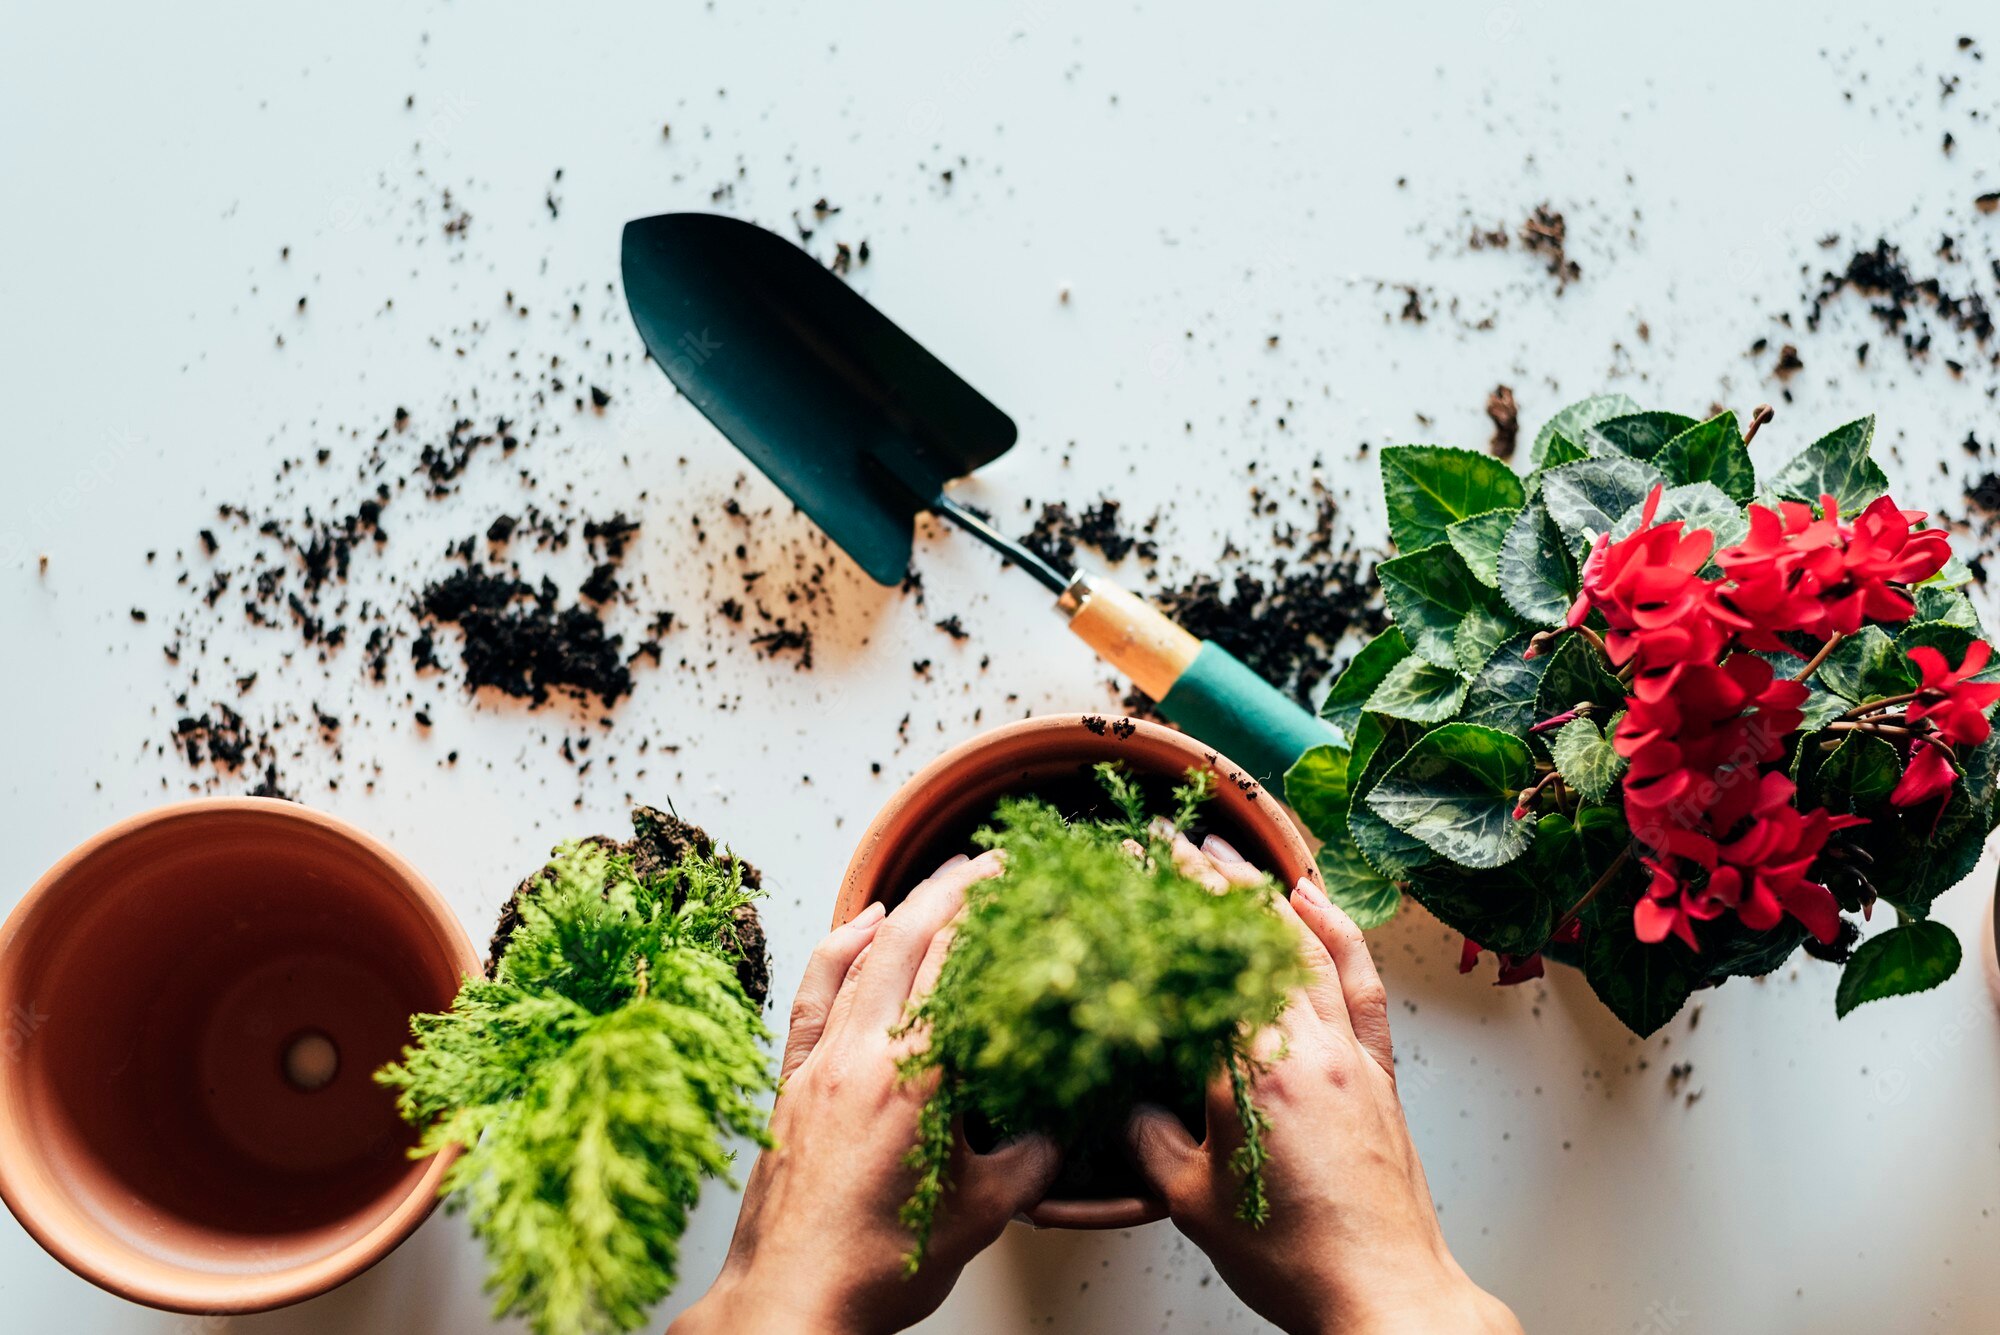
{"x":1597,"y":640}
{"x":1877,"y":706}
{"x":1576,"y":909}
{"x":1759,"y":415}
{"x":1813,"y":664}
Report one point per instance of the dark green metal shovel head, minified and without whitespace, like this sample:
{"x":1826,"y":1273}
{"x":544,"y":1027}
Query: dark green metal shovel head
{"x":849,"y":415}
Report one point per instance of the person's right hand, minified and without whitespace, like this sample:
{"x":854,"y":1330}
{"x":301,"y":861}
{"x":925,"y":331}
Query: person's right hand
{"x":1352,"y":1243}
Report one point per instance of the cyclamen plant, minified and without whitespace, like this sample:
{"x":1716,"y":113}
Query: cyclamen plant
{"x":1645,"y":712}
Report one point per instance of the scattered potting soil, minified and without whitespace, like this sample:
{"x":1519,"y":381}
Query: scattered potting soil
{"x":1058,"y":532}
{"x":1908,"y":308}
{"x":1286,"y":620}
{"x":520,"y":640}
{"x":659,"y":841}
{"x":1505,"y":415}
{"x":1543,"y":234}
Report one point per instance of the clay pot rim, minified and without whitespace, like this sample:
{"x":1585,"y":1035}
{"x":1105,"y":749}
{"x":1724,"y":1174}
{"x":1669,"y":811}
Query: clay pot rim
{"x":1110,"y":1212}
{"x":231,"y":1294}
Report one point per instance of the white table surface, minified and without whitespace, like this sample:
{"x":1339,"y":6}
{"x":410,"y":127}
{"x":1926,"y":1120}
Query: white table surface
{"x":1233,"y":172}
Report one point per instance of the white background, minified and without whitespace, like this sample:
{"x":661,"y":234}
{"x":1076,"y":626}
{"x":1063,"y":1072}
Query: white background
{"x":1200,"y":178}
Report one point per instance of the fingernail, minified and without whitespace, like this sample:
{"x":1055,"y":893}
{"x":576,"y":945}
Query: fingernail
{"x":1221,"y":850}
{"x":869,"y":916}
{"x":1161,"y":827}
{"x":950,"y":862}
{"x":1312,"y":893}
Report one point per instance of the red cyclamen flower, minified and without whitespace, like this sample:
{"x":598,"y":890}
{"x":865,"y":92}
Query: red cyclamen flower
{"x":1954,"y":703}
{"x":1797,"y":571}
{"x":1929,"y":773}
{"x":1649,"y":588}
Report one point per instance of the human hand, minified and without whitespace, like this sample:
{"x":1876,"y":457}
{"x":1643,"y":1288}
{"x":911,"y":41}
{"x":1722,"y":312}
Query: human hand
{"x":1352,"y":1243}
{"x":818,"y":1247}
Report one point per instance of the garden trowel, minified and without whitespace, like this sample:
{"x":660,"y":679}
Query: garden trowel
{"x":863,"y":429}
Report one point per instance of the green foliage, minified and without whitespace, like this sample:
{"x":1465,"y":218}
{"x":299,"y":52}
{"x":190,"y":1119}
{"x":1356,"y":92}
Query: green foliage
{"x":1636,"y":435}
{"x":1082,"y":977}
{"x":1503,"y":693}
{"x":1478,"y":540}
{"x":1577,"y":675}
{"x":1429,"y":593}
{"x":1697,"y":505}
{"x":1537,"y":579}
{"x":1711,"y":451}
{"x":1348,"y":696}
{"x":1419,"y":691}
{"x":1572,"y":422}
{"x":1455,"y":789}
{"x":592,"y":1083}
{"x":1430,"y":487}
{"x":1379,"y":743}
{"x":1590,"y":496}
{"x":1837,"y":465}
{"x":1867,"y":666}
{"x":1442,"y":721}
{"x":1914,"y":957}
{"x":1643,"y":985}
{"x":1316,"y":788}
{"x":1586,"y":759}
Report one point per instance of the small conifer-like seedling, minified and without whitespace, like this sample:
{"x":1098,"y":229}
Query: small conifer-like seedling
{"x":594,"y":1077}
{"x":1083,"y":979}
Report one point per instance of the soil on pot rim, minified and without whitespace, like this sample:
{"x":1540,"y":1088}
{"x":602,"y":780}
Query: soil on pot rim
{"x":659,"y":841}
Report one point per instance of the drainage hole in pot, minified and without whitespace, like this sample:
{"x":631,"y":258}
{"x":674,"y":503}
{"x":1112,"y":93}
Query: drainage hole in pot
{"x":311,"y":1061}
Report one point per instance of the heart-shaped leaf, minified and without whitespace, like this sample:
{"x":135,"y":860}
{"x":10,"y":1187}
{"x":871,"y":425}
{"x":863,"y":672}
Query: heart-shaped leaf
{"x":1536,"y":577}
{"x":1644,"y":986}
{"x":1577,"y":675}
{"x":1711,"y":451}
{"x":1837,"y":465}
{"x":1915,"y":957}
{"x":1428,"y":488}
{"x":1698,"y":505}
{"x":1483,"y":630}
{"x":1857,"y":776}
{"x":1867,"y":665}
{"x":1351,"y":883}
{"x":1364,"y":672}
{"x":1502,"y":695}
{"x":1420,"y":691}
{"x":1574,"y":420}
{"x":1378,"y":744}
{"x":1586,"y":759}
{"x":1428,"y":594}
{"x":1478,"y":540}
{"x":1455,"y":789}
{"x":1589,"y":497}
{"x":1635,"y":435}
{"x":1316,"y":788}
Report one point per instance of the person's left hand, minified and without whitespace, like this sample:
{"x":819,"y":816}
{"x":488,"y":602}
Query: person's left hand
{"x":819,"y":1248}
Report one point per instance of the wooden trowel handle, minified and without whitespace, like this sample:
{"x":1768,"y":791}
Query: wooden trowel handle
{"x":1129,"y":633}
{"x":1199,"y":685}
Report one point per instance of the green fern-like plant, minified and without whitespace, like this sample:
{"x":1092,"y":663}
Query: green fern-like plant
{"x":1083,"y":976}
{"x":593,"y":1081}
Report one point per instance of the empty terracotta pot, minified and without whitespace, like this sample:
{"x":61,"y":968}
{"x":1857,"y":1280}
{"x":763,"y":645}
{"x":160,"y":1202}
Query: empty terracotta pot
{"x":194,"y":1003}
{"x":933,"y":816}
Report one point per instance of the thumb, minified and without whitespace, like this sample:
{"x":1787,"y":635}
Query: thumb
{"x":1167,"y":1156}
{"x":1017,"y":1174}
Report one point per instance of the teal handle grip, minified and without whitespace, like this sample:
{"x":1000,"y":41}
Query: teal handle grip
{"x":1246,"y":718}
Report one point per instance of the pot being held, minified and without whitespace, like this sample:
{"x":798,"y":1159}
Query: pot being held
{"x":934,"y":815}
{"x":202,"y":994}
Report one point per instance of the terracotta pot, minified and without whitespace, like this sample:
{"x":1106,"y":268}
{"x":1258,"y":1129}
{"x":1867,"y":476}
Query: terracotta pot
{"x":932,"y":816}
{"x":194,"y":1004}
